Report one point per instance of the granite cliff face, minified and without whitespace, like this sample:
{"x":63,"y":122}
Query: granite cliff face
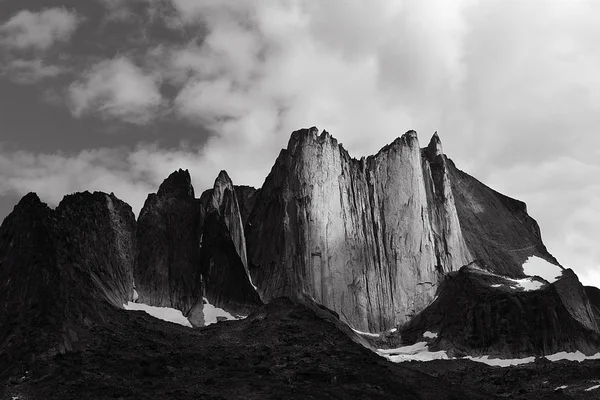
{"x":60,"y":269}
{"x":375,"y":240}
{"x":167,"y":272}
{"x":372,"y":238}
{"x":369,"y":239}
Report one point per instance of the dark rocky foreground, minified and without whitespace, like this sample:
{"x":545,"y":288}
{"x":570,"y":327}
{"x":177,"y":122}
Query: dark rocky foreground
{"x":281,"y":351}
{"x":543,"y":379}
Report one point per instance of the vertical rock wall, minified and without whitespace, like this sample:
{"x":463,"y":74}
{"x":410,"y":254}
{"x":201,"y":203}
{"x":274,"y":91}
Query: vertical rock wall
{"x":60,"y":269}
{"x":369,"y":239}
{"x":224,"y":264}
{"x":167,"y":272}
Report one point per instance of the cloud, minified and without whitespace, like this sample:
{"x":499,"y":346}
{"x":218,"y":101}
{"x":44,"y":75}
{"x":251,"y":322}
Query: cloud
{"x":563,"y":195}
{"x":131,"y":175}
{"x":26,"y":71}
{"x":512,"y":88}
{"x":38,"y":30}
{"x":117,"y":89}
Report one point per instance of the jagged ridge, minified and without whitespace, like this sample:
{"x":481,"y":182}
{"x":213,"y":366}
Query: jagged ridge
{"x":369,"y":238}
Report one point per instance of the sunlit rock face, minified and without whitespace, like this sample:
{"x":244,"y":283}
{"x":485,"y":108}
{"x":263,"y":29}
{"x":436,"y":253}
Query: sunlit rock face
{"x":167,"y":272}
{"x":367,"y":238}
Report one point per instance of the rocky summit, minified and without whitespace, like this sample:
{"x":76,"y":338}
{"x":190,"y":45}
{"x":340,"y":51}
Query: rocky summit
{"x":372,"y":238}
{"x":308,"y":287}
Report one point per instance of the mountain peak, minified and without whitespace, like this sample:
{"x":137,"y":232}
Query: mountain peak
{"x":178,"y":184}
{"x":223,"y":179}
{"x":222,"y":184}
{"x":434,"y":148}
{"x":30,"y":198}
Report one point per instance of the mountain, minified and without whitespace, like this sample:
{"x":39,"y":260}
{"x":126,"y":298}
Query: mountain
{"x":168,"y":253}
{"x":61,"y":270}
{"x":223,"y":263}
{"x":479,"y":313}
{"x":193,"y":251}
{"x":332,"y":255}
{"x":372,"y":238}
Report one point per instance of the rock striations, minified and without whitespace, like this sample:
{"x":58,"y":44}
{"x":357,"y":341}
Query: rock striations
{"x":369,"y":238}
{"x":375,"y":240}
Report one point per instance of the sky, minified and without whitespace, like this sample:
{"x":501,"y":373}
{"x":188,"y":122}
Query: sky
{"x":114,"y":95}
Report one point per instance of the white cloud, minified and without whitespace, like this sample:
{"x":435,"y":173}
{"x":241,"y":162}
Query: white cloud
{"x":563,"y":195}
{"x":38,"y":30}
{"x":117,"y":89}
{"x":511,"y":86}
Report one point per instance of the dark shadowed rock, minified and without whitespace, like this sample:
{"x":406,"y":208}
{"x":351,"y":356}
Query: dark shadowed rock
{"x":593,"y":295}
{"x":283,"y":350}
{"x":59,"y":269}
{"x":246,"y":196}
{"x":223,"y":263}
{"x":497,"y":228}
{"x":167,"y":272}
{"x":99,"y":243}
{"x":33,"y":287}
{"x":479,"y":313}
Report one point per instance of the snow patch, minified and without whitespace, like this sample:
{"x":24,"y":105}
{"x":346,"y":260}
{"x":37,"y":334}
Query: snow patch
{"x":501,"y":362}
{"x":211,"y":313}
{"x":430,"y":335}
{"x":164,"y":313}
{"x":135,"y":295}
{"x":528,"y":284}
{"x":592,"y":388}
{"x":416,"y":352}
{"x":542,"y":268}
{"x":561,"y":387}
{"x":420,"y":352}
{"x":367,"y":333}
{"x":576,"y":356}
{"x":525,"y":284}
{"x":393,"y":330}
